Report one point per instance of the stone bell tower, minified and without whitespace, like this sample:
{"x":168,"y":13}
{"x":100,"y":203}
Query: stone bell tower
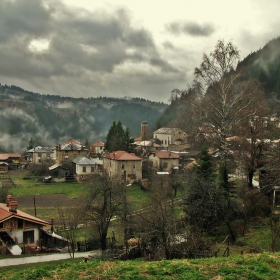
{"x":144,"y":131}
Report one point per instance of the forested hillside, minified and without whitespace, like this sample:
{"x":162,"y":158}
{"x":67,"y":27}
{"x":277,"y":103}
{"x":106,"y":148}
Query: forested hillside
{"x":50,"y":119}
{"x":263,"y":65}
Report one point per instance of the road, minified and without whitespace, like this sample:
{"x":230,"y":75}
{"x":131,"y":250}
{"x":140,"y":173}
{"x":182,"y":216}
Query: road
{"x":45,"y":258}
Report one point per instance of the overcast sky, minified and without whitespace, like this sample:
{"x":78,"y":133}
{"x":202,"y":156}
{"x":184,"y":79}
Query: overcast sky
{"x":86,"y":48}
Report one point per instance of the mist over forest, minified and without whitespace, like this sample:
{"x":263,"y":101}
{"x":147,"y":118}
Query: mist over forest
{"x":51,"y":119}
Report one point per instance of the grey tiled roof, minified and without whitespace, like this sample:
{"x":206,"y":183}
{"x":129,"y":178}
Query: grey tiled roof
{"x":166,"y":130}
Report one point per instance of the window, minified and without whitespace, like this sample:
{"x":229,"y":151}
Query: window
{"x":123,"y":166}
{"x":28,"y":236}
{"x":134,"y":165}
{"x":84,"y":169}
{"x":165,"y":165}
{"x":92,"y":169}
{"x":39,"y":155}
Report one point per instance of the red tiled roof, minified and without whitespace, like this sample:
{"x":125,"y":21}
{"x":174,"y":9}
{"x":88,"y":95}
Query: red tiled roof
{"x":73,"y":141}
{"x":122,"y":155}
{"x":5,"y":214}
{"x":6,"y":156}
{"x":97,"y":144}
{"x":166,"y":154}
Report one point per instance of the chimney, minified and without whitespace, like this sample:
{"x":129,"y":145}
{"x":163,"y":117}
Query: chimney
{"x":12,"y":204}
{"x":8,"y":199}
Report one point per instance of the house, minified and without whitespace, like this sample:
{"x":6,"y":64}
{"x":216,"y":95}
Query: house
{"x":18,"y":228}
{"x":146,"y":147}
{"x":39,"y":154}
{"x":69,"y":150}
{"x":13,"y":160}
{"x":122,"y":164}
{"x":164,"y":161}
{"x":4,"y":167}
{"x":59,"y":173}
{"x":96,"y":149}
{"x":83,"y":166}
{"x":170,"y":136}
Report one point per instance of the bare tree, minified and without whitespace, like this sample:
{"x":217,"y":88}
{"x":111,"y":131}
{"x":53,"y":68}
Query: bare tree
{"x":229,"y":98}
{"x":157,"y":222}
{"x":103,"y":201}
{"x":70,"y":218}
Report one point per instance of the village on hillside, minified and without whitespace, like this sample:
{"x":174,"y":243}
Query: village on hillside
{"x":170,"y":151}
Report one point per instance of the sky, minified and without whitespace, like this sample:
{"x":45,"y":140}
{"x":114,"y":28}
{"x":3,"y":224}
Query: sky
{"x":123,"y":48}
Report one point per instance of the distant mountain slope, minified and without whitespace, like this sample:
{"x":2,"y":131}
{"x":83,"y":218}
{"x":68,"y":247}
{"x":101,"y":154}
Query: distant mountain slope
{"x":264,"y":65}
{"x":51,"y":119}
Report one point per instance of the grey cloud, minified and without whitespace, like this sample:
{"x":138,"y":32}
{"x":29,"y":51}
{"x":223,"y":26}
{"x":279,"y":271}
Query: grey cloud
{"x":163,"y":64}
{"x":84,"y":47}
{"x":22,"y":18}
{"x":190,"y":28}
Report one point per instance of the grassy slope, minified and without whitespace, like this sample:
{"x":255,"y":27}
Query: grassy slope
{"x":251,"y":266}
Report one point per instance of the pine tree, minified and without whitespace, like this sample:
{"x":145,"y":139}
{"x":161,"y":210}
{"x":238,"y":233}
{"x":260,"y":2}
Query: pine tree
{"x":30,"y":144}
{"x":119,"y":138}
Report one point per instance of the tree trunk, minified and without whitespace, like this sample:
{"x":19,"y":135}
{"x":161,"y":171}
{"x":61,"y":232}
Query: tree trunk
{"x":103,"y":241}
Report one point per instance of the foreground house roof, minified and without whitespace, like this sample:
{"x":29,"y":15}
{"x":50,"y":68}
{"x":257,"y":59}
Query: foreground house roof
{"x":122,"y":155}
{"x":5,"y":214}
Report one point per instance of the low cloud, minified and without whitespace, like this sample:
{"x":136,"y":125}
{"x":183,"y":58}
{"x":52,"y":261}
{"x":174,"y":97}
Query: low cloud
{"x":190,"y":28}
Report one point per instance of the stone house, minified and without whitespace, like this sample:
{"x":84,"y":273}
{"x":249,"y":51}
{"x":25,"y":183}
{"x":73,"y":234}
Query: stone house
{"x":124,"y":165}
{"x":170,"y":136}
{"x":96,"y":149}
{"x":70,"y":150}
{"x":39,"y":154}
{"x":164,"y":161}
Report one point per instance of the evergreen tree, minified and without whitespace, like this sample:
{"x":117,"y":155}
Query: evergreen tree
{"x":202,"y":200}
{"x":119,"y":138}
{"x":204,"y":167}
{"x":30,"y":144}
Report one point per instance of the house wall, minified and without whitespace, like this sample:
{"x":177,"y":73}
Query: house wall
{"x":132,"y":170}
{"x":80,"y":169}
{"x":3,"y":168}
{"x":164,"y":164}
{"x":169,"y":138}
{"x":69,"y":155}
{"x":164,"y":138}
{"x":38,"y":157}
{"x":16,"y":227}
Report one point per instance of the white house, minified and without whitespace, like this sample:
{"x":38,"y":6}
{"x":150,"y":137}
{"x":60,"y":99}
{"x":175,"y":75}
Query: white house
{"x":170,"y":136}
{"x":84,"y":166}
{"x":18,"y":228}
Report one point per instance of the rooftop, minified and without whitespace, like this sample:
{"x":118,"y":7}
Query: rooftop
{"x":122,"y":155}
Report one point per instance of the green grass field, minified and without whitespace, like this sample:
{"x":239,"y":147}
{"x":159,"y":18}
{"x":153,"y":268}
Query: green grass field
{"x":250,"y":266}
